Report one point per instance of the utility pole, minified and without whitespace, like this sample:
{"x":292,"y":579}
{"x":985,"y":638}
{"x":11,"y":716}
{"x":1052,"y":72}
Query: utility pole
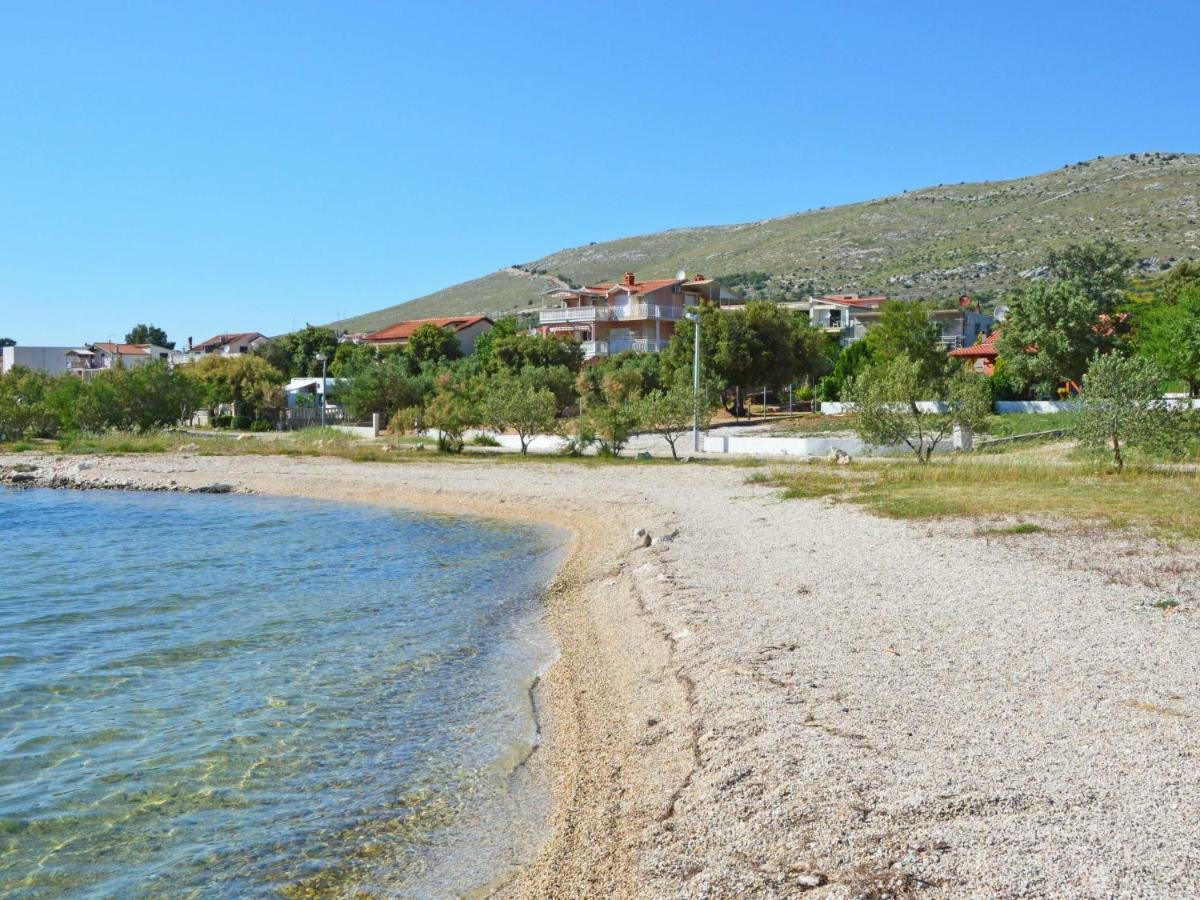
{"x":695,"y":317}
{"x":322,"y":359}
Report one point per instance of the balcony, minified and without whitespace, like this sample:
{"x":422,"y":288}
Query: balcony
{"x":631,"y":313}
{"x":574,"y":314}
{"x":637,"y":345}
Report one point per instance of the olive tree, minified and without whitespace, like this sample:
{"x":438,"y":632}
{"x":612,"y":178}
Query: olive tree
{"x":1120,"y":407}
{"x":513,"y":403}
{"x":454,"y":409}
{"x":671,"y":413}
{"x":891,"y":397}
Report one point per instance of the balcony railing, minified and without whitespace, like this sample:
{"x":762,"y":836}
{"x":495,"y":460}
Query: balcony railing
{"x":637,"y":345}
{"x":573,"y":314}
{"x":952,"y":341}
{"x":632,"y":312}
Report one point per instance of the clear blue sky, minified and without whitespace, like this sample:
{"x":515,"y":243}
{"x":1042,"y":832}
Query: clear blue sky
{"x":237,"y":165}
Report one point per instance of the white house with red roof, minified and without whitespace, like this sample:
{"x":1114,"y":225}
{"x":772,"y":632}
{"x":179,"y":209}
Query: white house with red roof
{"x":236,"y":343}
{"x":630,"y":315}
{"x":466,"y":328}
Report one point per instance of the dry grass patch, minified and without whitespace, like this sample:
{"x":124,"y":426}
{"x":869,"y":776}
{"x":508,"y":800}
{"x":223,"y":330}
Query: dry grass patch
{"x":1163,"y":503}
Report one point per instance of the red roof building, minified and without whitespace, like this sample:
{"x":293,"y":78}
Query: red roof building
{"x":980,"y":357}
{"x":466,"y":328}
{"x":630,"y":315}
{"x":234,"y":344}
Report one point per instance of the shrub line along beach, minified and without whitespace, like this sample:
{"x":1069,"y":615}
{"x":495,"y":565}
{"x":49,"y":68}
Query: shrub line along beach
{"x":781,"y":695}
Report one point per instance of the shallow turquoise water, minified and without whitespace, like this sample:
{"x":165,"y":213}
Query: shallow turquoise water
{"x":216,"y":695}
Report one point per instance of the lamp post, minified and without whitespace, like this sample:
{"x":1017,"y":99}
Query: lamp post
{"x":695,"y":317}
{"x":322,"y":359}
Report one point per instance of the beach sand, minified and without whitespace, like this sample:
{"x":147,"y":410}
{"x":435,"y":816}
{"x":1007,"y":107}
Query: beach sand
{"x":779,"y":698}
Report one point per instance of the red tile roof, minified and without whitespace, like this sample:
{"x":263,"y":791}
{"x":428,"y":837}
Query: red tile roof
{"x":124,"y":349}
{"x":221,"y":340}
{"x":985,"y":348}
{"x":401,"y":331}
{"x":637,"y":287}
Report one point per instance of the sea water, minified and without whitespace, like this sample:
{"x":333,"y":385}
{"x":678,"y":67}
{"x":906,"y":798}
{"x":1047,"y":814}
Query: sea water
{"x":232,"y":695}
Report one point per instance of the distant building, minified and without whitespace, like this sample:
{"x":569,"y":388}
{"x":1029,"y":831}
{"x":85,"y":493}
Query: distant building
{"x":86,"y":361}
{"x":979,"y":357}
{"x":52,"y":360}
{"x":235,"y":344}
{"x":629,"y":315}
{"x":841,"y":314}
{"x":466,"y":328}
{"x":960,"y":327}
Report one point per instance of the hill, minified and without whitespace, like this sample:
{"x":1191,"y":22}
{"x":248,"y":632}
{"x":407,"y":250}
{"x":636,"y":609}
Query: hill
{"x":977,"y":238}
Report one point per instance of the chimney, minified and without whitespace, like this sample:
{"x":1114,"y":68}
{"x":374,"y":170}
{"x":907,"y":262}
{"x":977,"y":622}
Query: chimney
{"x":189,"y":344}
{"x":628,"y":279}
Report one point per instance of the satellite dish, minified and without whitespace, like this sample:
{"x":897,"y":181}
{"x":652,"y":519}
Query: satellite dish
{"x":1001,"y":313}
{"x":681,"y":275}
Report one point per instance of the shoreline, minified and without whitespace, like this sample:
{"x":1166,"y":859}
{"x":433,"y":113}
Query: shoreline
{"x":563,"y":734}
{"x":793,"y":696}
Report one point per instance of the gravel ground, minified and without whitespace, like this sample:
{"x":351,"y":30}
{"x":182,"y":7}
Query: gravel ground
{"x":779,"y":698}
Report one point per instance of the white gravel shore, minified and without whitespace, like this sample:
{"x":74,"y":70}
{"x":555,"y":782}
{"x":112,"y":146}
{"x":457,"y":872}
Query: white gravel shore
{"x":794,"y":697}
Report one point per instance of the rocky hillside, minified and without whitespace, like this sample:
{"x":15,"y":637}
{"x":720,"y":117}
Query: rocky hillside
{"x":940,"y":241}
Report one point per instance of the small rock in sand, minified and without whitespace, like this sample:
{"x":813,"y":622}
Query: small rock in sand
{"x":810,"y":880}
{"x":215,"y":489}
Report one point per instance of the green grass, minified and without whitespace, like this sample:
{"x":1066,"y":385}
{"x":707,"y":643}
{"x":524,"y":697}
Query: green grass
{"x":1164,"y":503}
{"x":1019,"y":528}
{"x":815,"y":425}
{"x":1010,"y":424}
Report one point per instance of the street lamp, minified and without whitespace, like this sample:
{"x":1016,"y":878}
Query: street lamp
{"x":695,"y":317}
{"x":322,"y":359}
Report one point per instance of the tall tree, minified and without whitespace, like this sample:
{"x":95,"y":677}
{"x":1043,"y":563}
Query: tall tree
{"x":149,"y":334}
{"x":1100,"y":271}
{"x":295,"y":354}
{"x":1052,"y":330}
{"x":1168,"y":333}
{"x":430,"y":344}
{"x":248,"y":383}
{"x":1183,"y":276}
{"x":905,"y":329}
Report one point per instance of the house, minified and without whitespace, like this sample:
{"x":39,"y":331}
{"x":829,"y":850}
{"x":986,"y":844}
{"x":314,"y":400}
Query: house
{"x":629,"y":315}
{"x":979,"y":357}
{"x":466,"y":328}
{"x":959,"y":327}
{"x":841,"y":314}
{"x":86,"y":361}
{"x":235,"y":344}
{"x":304,"y":392}
{"x":52,"y":360}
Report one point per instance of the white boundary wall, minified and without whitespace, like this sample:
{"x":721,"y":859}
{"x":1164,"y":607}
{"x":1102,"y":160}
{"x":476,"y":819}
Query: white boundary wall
{"x":1034,"y":406}
{"x":830,"y":408}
